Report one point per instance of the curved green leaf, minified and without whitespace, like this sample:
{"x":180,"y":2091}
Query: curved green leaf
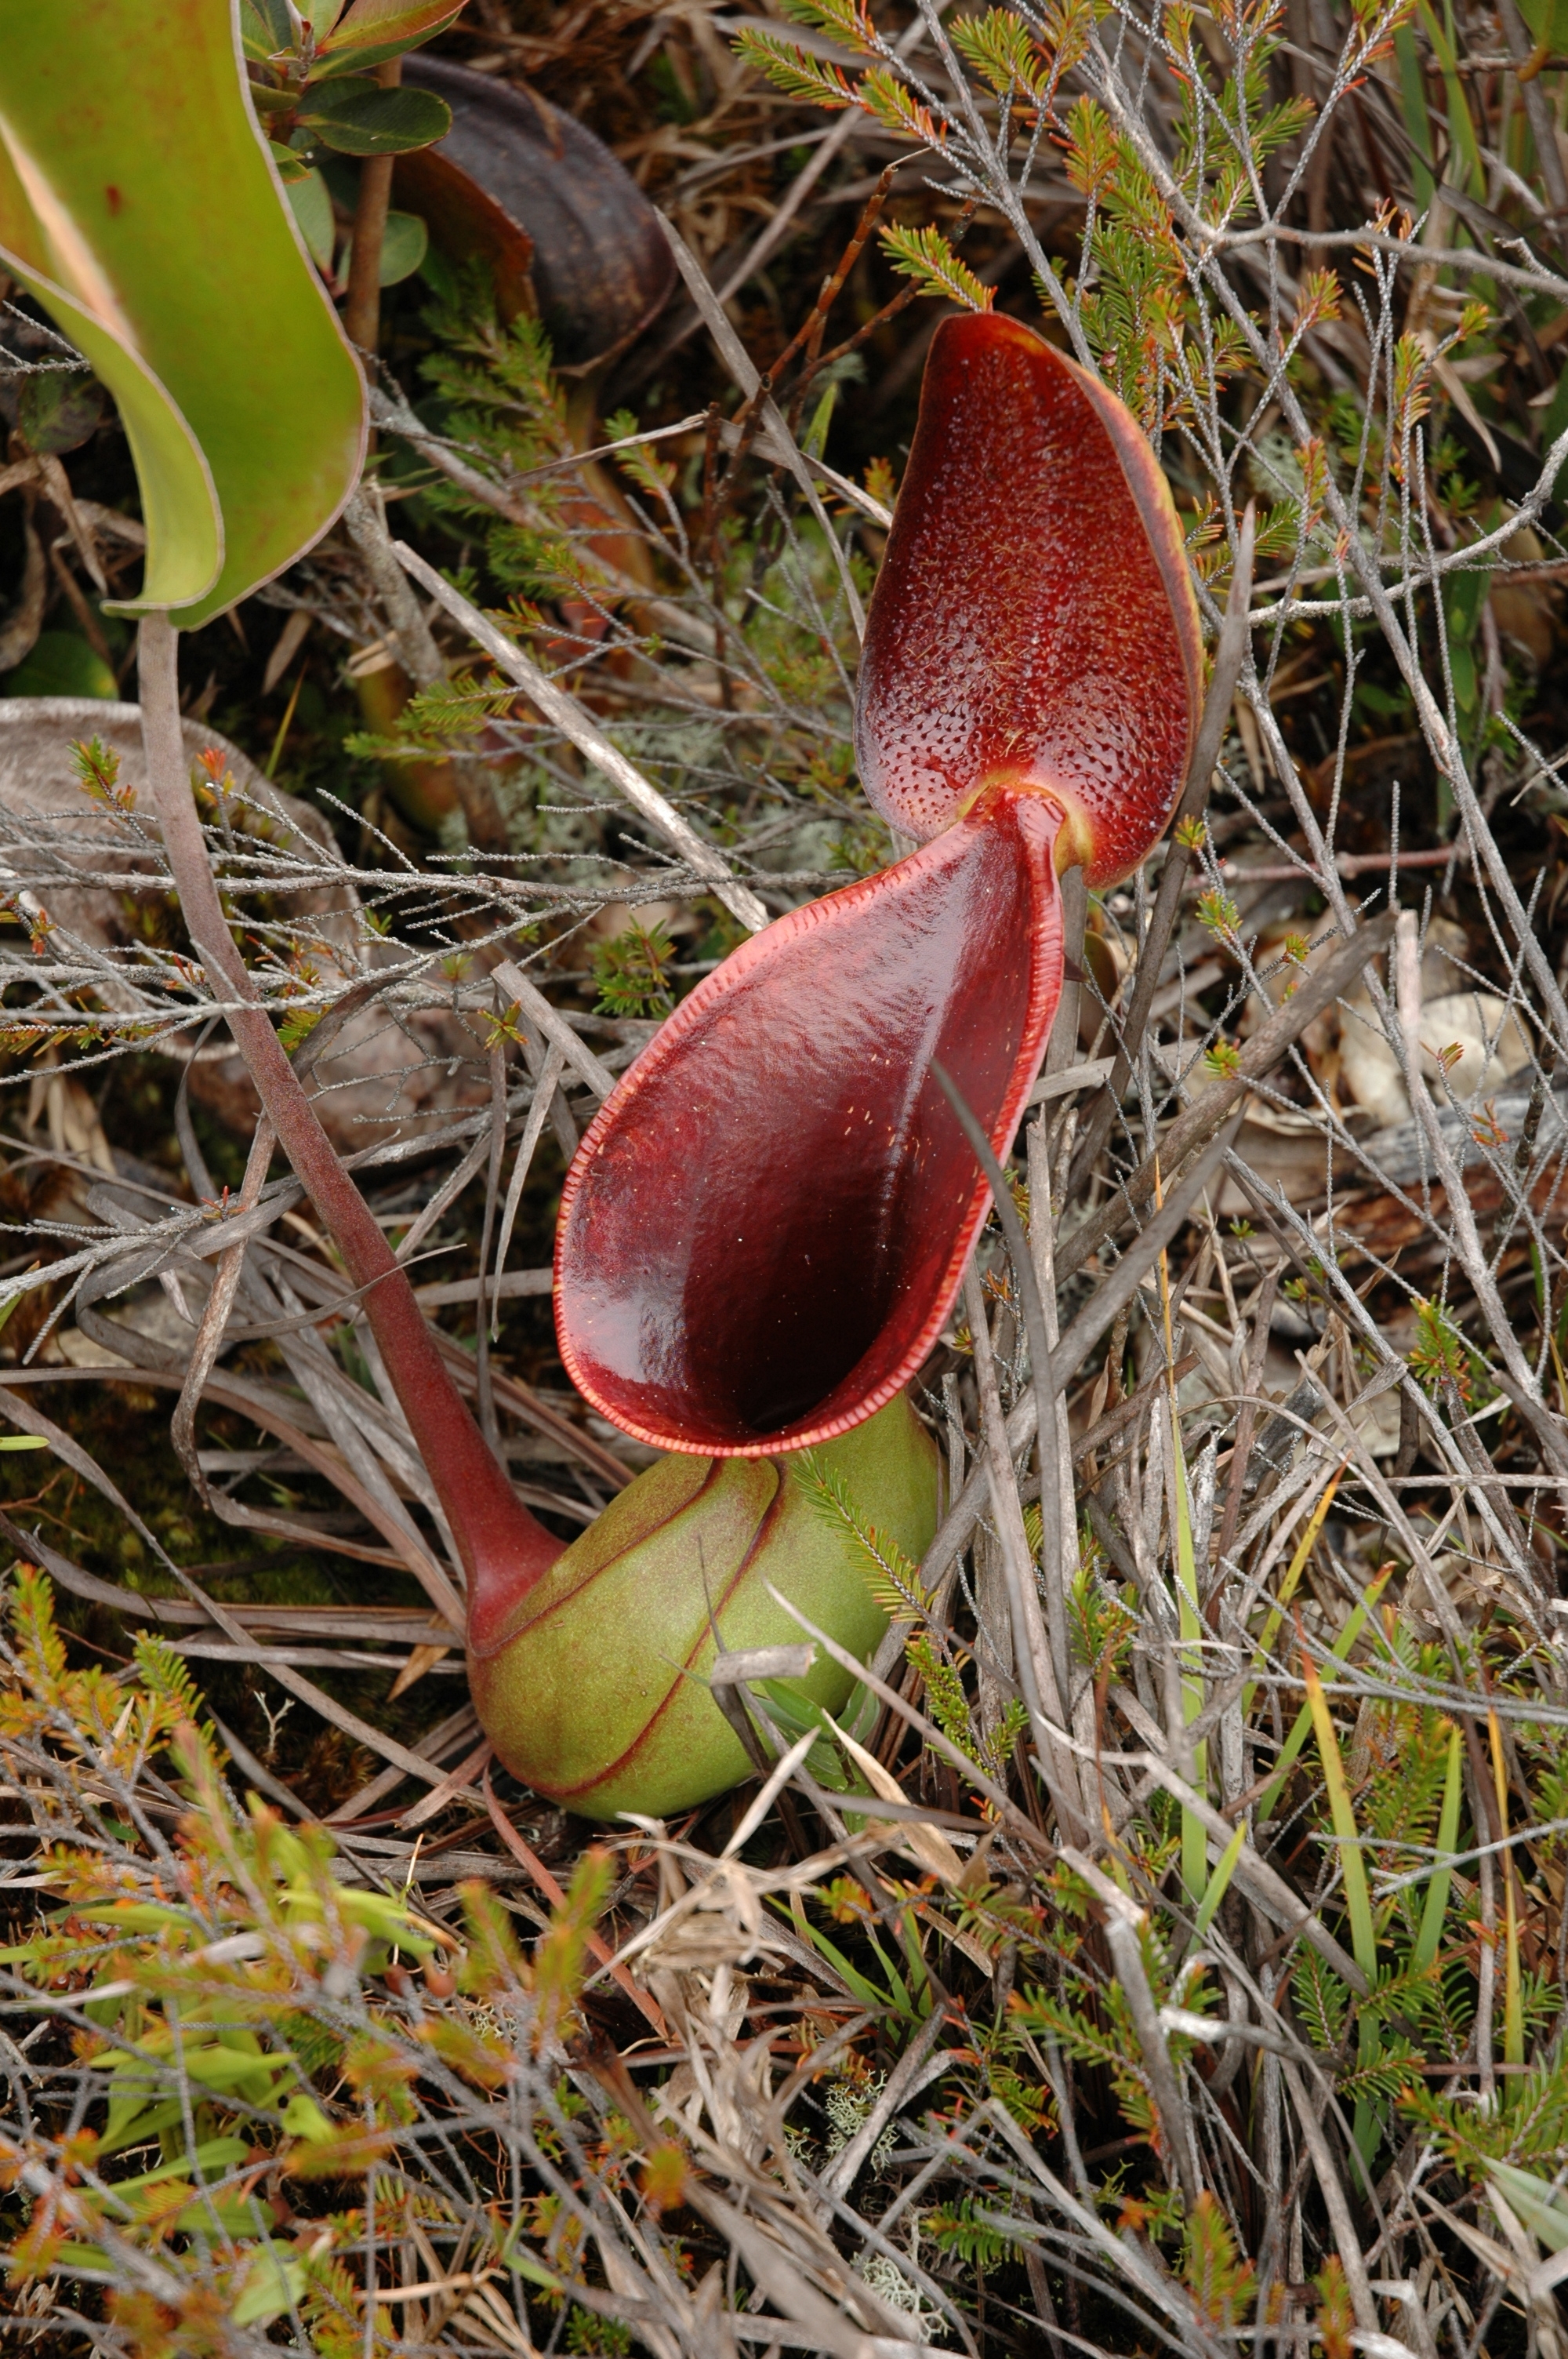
{"x":1424,"y":1957}
{"x":404,"y":244}
{"x":291,"y":165}
{"x":370,"y":22}
{"x":1538,"y":2201}
{"x":276,"y":2282}
{"x":375,"y":30}
{"x":139,"y":204}
{"x":311,"y":206}
{"x":265,"y":29}
{"x":179,"y":502}
{"x":358,"y":117}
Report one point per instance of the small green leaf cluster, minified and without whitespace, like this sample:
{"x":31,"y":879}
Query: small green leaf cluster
{"x":968,"y":2230}
{"x":97,"y":767}
{"x":447,"y":714}
{"x":313,"y":85}
{"x":1222,"y":2282}
{"x":494,"y":389}
{"x":949,"y":1705}
{"x":1101,"y":1627}
{"x":1440,"y":1356}
{"x":247,"y":2038}
{"x":926,"y":255}
{"x":631,"y":971}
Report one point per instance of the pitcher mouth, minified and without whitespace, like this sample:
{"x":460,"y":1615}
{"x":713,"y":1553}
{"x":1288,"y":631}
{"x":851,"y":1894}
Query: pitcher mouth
{"x":763,"y":1231}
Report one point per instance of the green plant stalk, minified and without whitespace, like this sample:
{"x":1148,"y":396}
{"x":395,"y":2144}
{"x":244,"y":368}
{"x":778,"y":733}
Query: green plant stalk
{"x":1293,"y":1573}
{"x":1218,"y":1884}
{"x":1556,"y":418}
{"x":1461,"y":129}
{"x":1424,"y":1957}
{"x":1413,"y":100}
{"x":1513,"y":1997}
{"x":1339,"y":1651}
{"x":1358,"y":1899}
{"x":916,"y":1992}
{"x":894,"y":2000}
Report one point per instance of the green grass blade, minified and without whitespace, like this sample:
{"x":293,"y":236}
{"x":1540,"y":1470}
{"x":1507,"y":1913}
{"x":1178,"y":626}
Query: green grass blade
{"x":1462,"y":143}
{"x":1225,"y":1868}
{"x":1298,"y":1735}
{"x":1358,"y":1899}
{"x":1413,"y":100}
{"x":859,"y":1984}
{"x":1424,"y":1957}
{"x":1366,"y":2127}
{"x":1293,"y":1573}
{"x":1513,"y":1995}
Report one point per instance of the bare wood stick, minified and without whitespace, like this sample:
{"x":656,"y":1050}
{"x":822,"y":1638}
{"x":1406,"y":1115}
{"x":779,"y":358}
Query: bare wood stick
{"x":1200,"y":1122}
{"x":743,"y":370}
{"x":1123,"y":2254}
{"x":502,"y":498}
{"x":840,"y":2176}
{"x":1123,"y":1920}
{"x":549,"y":1020}
{"x":452,"y":1735}
{"x":1229,"y":658}
{"x":32,"y":1420}
{"x":1097,"y":1316}
{"x":404,"y":1545}
{"x":573,"y":722}
{"x":1263,"y":1312}
{"x":1345,"y":2237}
{"x":1023,"y":1826}
{"x":1541,"y":113}
{"x":1266,"y":1886}
{"x":538,"y":1113}
{"x":1046,"y":1386}
{"x":365,"y":519}
{"x":1036,"y":1671}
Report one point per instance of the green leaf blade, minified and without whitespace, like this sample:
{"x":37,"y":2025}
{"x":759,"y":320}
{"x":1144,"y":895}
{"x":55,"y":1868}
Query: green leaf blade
{"x":355,"y":115}
{"x":134,"y":181}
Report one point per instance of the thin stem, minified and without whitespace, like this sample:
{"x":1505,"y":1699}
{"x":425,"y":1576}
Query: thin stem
{"x":504,"y":1550}
{"x":361,"y":312}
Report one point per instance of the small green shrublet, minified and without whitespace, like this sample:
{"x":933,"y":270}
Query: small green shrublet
{"x":631,"y":971}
